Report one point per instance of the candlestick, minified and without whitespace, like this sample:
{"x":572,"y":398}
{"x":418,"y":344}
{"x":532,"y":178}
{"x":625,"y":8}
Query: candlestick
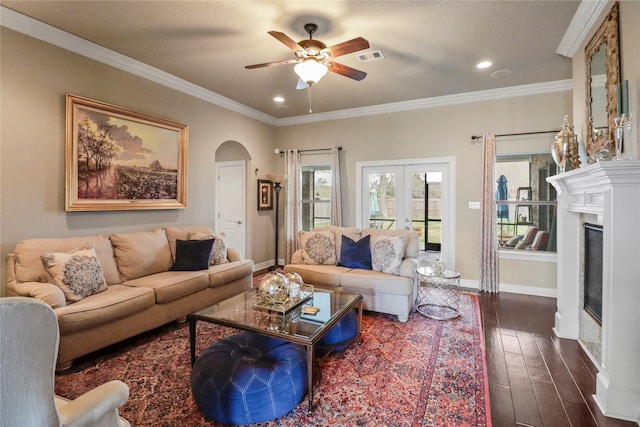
{"x":619,"y":99}
{"x":625,"y":97}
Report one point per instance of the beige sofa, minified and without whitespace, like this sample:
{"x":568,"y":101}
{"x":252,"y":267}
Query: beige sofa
{"x":141,"y":292}
{"x":382,"y":292}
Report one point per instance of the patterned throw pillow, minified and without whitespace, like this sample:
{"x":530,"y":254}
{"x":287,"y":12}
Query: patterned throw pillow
{"x":387,"y":253}
{"x":78,"y":274}
{"x":318,"y":247}
{"x":219,"y":251}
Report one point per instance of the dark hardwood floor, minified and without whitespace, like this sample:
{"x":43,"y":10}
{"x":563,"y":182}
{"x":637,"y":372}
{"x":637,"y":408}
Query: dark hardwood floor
{"x":536,"y":378}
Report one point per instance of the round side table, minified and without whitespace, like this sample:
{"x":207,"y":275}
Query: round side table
{"x":438,"y":295}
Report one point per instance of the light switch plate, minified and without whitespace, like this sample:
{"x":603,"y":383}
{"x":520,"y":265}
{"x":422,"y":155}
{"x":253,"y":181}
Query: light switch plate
{"x":474,"y":205}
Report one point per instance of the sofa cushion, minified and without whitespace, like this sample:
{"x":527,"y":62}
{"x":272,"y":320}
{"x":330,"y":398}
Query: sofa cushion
{"x":29,"y":267}
{"x":529,"y":236}
{"x":318,"y":247}
{"x":387,"y":253}
{"x":323,"y":275}
{"x":222,"y":274}
{"x":356,"y":254}
{"x":219,"y":250}
{"x":172,"y":285}
{"x":512,"y":242}
{"x":182,"y":233}
{"x":117,"y":302}
{"x":141,"y":253}
{"x":369,"y":281}
{"x":78,"y":274}
{"x":192,"y":255}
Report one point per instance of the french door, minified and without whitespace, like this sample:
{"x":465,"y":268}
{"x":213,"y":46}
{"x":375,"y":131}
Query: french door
{"x":410,"y":195}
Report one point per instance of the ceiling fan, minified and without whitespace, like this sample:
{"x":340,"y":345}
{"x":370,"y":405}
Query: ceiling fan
{"x":314,"y":58}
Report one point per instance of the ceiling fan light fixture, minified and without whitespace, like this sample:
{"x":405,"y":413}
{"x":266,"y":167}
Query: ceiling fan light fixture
{"x":310,"y":70}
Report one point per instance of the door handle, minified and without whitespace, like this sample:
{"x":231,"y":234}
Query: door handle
{"x":239,"y":222}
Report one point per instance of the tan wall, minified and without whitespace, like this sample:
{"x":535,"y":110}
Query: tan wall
{"x":440,"y":132}
{"x":35,"y":78}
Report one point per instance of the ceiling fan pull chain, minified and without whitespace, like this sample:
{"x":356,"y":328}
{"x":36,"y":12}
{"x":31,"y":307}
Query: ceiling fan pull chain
{"x":309,"y":95}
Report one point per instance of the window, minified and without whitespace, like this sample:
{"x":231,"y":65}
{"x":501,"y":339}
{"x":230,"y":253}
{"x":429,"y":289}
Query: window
{"x":316,"y":196}
{"x":525,"y":202}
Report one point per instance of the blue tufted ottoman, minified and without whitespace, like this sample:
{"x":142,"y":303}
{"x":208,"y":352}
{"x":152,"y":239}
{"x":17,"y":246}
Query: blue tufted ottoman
{"x":343,"y":331}
{"x":249,"y":378}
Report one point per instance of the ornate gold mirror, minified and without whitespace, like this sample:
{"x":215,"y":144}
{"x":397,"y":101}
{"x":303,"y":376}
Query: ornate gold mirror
{"x":603,"y":78}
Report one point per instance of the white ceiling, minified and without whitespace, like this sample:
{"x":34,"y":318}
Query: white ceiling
{"x":430,"y":47}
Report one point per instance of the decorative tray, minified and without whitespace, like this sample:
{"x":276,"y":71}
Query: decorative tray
{"x":268,"y":302}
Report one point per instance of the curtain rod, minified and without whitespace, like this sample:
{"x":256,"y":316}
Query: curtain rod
{"x":279,"y":151}
{"x":475,"y":138}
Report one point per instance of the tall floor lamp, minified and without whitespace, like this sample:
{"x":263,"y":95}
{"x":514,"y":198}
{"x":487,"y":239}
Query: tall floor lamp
{"x":278,"y":181}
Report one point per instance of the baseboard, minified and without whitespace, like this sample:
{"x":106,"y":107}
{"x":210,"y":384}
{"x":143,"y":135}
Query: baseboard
{"x":262,"y":265}
{"x":514,"y":289}
{"x":469,"y":284}
{"x":266,"y":265}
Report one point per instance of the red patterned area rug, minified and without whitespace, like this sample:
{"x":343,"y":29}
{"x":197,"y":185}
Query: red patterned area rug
{"x":420,"y":373}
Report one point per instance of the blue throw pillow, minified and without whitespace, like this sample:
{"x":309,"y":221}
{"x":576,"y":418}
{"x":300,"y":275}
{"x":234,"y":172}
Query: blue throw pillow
{"x":356,"y":254}
{"x":192,"y":255}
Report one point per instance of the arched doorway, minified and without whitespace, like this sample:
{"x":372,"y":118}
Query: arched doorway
{"x":231,"y":159}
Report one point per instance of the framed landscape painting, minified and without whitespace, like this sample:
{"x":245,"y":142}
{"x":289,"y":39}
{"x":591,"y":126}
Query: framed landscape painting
{"x":118,"y":159}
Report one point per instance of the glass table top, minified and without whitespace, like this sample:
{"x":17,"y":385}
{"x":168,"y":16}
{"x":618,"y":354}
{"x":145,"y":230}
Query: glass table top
{"x":241,"y":312}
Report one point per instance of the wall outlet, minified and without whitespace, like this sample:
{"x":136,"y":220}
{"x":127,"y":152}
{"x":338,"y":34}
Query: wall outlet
{"x":474,"y":205}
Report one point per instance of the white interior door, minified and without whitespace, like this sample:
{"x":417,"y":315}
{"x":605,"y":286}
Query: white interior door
{"x":231,"y":212}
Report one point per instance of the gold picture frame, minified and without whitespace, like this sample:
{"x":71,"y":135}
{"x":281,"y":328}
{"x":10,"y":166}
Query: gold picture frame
{"x":118,"y":159}
{"x":602,"y":57}
{"x":265,"y":195}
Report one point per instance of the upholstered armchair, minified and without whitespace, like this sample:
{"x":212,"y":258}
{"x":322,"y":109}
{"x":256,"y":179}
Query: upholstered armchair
{"x":29,"y":339}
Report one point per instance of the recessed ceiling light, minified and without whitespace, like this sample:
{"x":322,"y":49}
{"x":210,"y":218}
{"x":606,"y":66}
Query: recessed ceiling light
{"x":278,"y":99}
{"x":484,"y":64}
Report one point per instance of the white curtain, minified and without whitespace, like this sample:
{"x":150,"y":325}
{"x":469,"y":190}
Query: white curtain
{"x":489,"y":280}
{"x":292,"y":205}
{"x":336,"y":200}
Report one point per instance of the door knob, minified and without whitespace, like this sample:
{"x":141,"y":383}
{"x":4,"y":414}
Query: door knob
{"x":239,"y":222}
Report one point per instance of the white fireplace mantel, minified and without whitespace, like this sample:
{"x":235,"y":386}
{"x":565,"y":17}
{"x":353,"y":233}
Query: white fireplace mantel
{"x":610,"y":190}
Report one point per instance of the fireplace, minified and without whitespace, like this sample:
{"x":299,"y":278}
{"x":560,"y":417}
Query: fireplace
{"x":592,"y":301}
{"x":606,"y":194}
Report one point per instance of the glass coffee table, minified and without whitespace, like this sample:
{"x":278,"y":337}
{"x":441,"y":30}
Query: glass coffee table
{"x":296,"y":326}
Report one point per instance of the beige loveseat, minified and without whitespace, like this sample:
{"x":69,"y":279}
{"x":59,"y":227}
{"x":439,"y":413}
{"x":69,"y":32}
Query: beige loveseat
{"x":384,"y":292}
{"x":141,"y":292}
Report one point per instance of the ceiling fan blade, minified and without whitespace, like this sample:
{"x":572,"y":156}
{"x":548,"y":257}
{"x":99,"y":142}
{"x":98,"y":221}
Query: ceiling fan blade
{"x":285,"y":39}
{"x":301,"y":84}
{"x":349,"y":46}
{"x":346,"y":71}
{"x":270,"y":64}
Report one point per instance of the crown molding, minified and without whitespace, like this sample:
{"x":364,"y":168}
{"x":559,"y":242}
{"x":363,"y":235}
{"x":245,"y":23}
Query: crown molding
{"x":52,"y":35}
{"x":585,"y":19}
{"x":49,"y":34}
{"x":434,"y":102}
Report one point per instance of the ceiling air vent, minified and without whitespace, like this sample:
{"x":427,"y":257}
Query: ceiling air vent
{"x":370,"y":56}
